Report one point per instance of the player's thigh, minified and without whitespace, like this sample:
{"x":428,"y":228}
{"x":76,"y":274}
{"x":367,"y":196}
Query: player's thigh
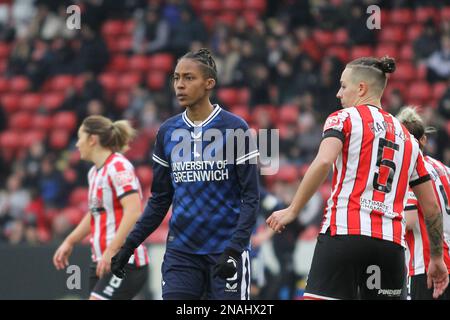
{"x":384,"y":274}
{"x":111,"y":287}
{"x":184,"y":276}
{"x":236,"y":287}
{"x":334,"y":269}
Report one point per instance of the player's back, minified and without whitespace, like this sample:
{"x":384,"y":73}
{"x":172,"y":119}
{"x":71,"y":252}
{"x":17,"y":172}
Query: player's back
{"x":378,"y":161}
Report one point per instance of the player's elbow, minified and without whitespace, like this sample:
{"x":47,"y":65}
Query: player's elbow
{"x":324,"y":162}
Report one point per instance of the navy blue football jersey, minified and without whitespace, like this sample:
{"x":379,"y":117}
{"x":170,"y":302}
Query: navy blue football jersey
{"x":208,"y":172}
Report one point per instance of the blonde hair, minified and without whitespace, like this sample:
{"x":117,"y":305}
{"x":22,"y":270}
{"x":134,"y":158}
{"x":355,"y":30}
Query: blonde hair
{"x":411,"y":119}
{"x":112,"y":135}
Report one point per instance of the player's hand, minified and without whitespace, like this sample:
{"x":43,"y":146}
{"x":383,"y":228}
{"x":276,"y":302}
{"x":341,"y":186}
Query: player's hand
{"x":62,"y":254}
{"x":120,"y":260}
{"x":104,"y":265}
{"x":279,"y":219}
{"x":437,"y":276}
{"x":226,"y":265}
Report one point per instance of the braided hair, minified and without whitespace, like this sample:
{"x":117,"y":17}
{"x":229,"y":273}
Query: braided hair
{"x":204,"y":58}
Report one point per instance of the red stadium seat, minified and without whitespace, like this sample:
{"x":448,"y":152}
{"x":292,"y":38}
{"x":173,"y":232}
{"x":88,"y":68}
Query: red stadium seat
{"x":78,"y":195}
{"x":5,"y":49}
{"x":30,"y":101}
{"x":129,"y":80}
{"x":59,"y":139}
{"x":73,"y":214}
{"x":209,"y":21}
{"x":161,"y":62}
{"x":390,"y":50}
{"x":227,"y":18}
{"x":395,"y":34}
{"x":323,"y":37}
{"x":109,"y":80}
{"x":113,"y":28}
{"x":10,"y":102}
{"x":129,"y":26}
{"x":257,"y":5}
{"x":251,"y":17}
{"x":118,"y":63}
{"x":32,"y":137}
{"x":4,"y":85}
{"x":20,"y":121}
{"x":404,"y":72}
{"x":229,"y":96}
{"x":271,"y":110}
{"x":289,"y":114}
{"x":210,"y":6}
{"x":420,"y":91}
{"x":422,"y":14}
{"x":439,"y":89}
{"x":360,"y":51}
{"x":10,"y":139}
{"x":65,"y":120}
{"x":61,"y":82}
{"x":445,"y":13}
{"x":52,"y":101}
{"x":242,"y":111}
{"x":244,"y":95}
{"x":339,"y":52}
{"x":233,"y":5}
{"x":138,"y":63}
{"x":156,"y":80}
{"x":414,"y":31}
{"x":41,"y":122}
{"x":145,"y":175}
{"x":341,"y":36}
{"x":124,"y":44}
{"x":401,"y":16}
{"x":406,"y":53}
{"x":288,"y":173}
{"x":122,"y":99}
{"x":19,"y":84}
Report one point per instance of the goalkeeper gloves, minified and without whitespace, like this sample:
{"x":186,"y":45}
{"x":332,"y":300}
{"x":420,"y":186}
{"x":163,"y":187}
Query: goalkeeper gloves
{"x":120,"y":260}
{"x":226,"y":265}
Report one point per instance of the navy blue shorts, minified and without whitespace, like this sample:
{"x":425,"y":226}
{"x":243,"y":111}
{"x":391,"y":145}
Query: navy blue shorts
{"x":190,"y":276}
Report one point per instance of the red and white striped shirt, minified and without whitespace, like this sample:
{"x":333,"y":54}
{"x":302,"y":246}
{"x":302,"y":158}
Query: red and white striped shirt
{"x":418,"y":253}
{"x":371,"y":175}
{"x":107,"y":185}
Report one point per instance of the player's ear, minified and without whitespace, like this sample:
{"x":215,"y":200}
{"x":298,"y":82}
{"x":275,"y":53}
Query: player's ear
{"x":92,"y":139}
{"x":210,"y":83}
{"x":362,"y":88}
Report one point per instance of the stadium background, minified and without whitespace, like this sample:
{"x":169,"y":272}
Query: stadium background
{"x":279,"y":65}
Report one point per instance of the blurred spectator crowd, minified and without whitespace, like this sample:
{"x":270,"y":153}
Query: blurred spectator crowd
{"x":279,"y":63}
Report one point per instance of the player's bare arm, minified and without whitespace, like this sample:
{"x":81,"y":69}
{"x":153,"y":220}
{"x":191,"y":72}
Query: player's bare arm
{"x":131,"y":205}
{"x":318,"y":171}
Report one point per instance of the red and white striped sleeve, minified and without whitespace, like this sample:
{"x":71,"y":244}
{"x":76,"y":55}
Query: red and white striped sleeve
{"x":420,"y":173}
{"x":337,"y":125}
{"x":412,"y":202}
{"x":123,"y":178}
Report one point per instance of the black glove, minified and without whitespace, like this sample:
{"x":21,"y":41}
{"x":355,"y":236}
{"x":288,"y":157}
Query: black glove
{"x":120,"y":260}
{"x":226,"y":265}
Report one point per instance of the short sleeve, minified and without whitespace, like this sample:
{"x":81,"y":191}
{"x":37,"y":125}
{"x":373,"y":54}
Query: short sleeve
{"x":123,"y":179}
{"x":411,"y":202}
{"x":246,"y":146}
{"x":158,"y":150}
{"x":420,"y":173}
{"x":336,"y":125}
